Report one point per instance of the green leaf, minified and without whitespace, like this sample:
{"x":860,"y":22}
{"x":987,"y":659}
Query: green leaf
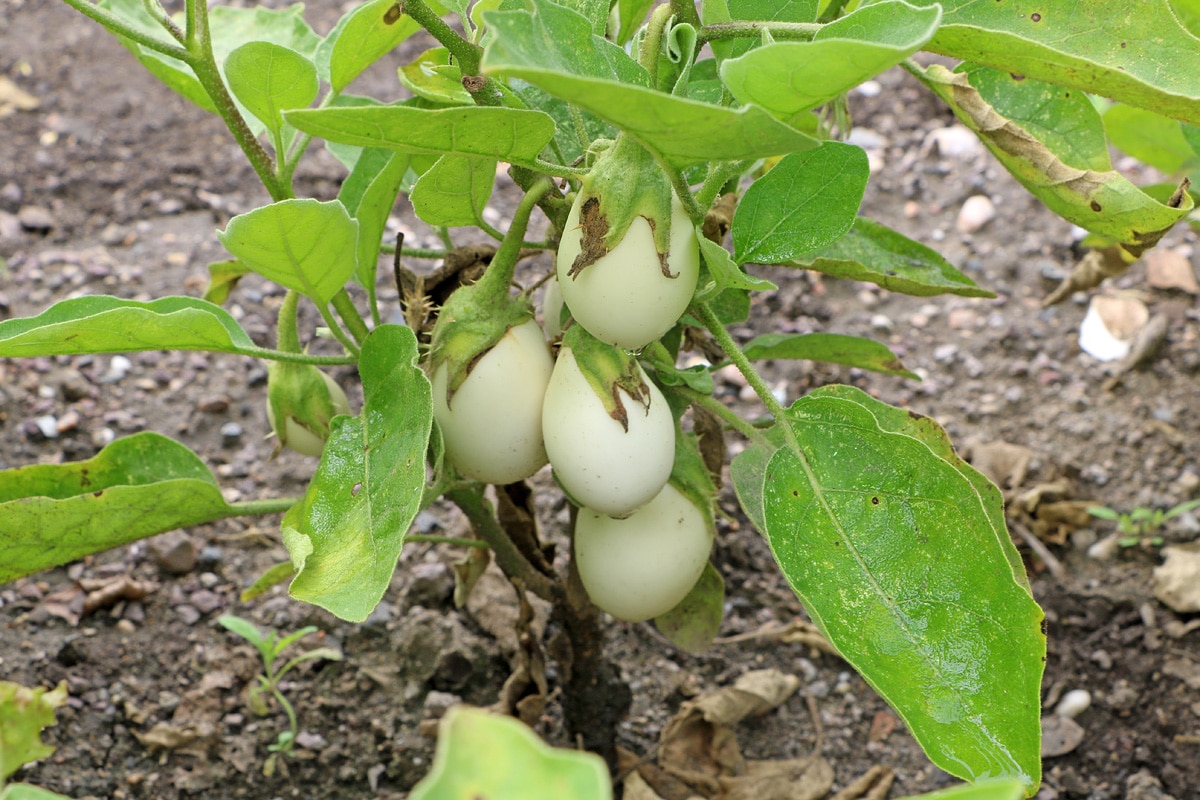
{"x":304,"y":245}
{"x":104,"y":324}
{"x":1063,"y":171}
{"x":137,"y":486}
{"x":875,"y":253}
{"x":723,"y":273}
{"x":899,"y":553}
{"x":693,"y":624}
{"x":630,"y":15}
{"x":268,"y":79}
{"x":231,"y":27}
{"x":833,"y":348}
{"x":272,"y":577}
{"x":435,"y":76}
{"x":566,"y":143}
{"x":480,"y":754}
{"x":454,"y":191}
{"x":23,"y":791}
{"x":1002,"y":789}
{"x":361,"y":36}
{"x":223,"y":277}
{"x":554,"y":48}
{"x":372,"y":211}
{"x":1150,"y":138}
{"x":345,"y":535}
{"x":497,"y":134}
{"x":1136,"y":59}
{"x":23,"y":714}
{"x":243,"y":628}
{"x":806,"y":201}
{"x":790,"y":78}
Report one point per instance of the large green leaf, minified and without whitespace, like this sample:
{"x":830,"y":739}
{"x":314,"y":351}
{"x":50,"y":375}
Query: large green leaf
{"x":23,"y":714}
{"x":361,"y":36}
{"x":137,"y":486}
{"x":268,"y":79}
{"x":498,"y":134}
{"x":104,"y":324}
{"x":1068,"y":171}
{"x":1151,"y":138}
{"x":454,"y":191}
{"x":833,"y":348}
{"x":790,"y":78}
{"x":873,"y":252}
{"x":345,"y":535}
{"x":693,"y":624}
{"x":24,"y":791}
{"x":1002,"y":789}
{"x":231,"y":27}
{"x":1130,"y":52}
{"x":898,"y":551}
{"x":485,"y":755}
{"x":806,"y":201}
{"x":555,"y":49}
{"x":304,"y":245}
{"x":372,"y":208}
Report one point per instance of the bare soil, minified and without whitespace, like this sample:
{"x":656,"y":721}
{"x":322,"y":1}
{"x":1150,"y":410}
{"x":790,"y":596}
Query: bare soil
{"x":114,"y":185}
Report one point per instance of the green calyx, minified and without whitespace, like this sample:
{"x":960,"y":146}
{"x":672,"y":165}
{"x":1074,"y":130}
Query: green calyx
{"x":299,"y":392}
{"x":608,"y":369}
{"x":625,"y":183}
{"x":470,"y":324}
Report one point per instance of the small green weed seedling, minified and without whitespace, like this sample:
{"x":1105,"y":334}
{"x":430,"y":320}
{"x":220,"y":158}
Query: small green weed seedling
{"x":1140,"y":524}
{"x":271,"y":648}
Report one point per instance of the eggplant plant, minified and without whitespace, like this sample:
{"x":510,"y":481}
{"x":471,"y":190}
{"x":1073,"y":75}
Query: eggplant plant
{"x":662,"y":148}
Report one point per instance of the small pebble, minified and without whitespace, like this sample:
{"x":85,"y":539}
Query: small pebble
{"x":881,"y":323}
{"x":103,"y":437}
{"x":204,"y":601}
{"x":231,"y":434}
{"x":1104,"y":549}
{"x":188,"y":615}
{"x":173,"y":553}
{"x":118,"y":368}
{"x":47,"y":425}
{"x":213,"y":404}
{"x":35,"y":218}
{"x":1102,"y":659}
{"x":311,"y":741}
{"x":1073,"y":703}
{"x":976,"y":212}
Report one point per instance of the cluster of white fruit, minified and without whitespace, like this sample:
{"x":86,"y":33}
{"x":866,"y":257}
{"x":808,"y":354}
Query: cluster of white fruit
{"x":640,"y":543}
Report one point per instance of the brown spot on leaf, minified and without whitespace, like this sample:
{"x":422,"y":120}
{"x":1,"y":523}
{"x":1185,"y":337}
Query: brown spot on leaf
{"x":1095,"y":206}
{"x":474,"y":83}
{"x":393,"y":14}
{"x":874,"y":501}
{"x":591,"y":247}
{"x":1036,"y":17}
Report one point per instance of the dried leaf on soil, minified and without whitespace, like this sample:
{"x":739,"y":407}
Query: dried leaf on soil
{"x":1177,"y":581}
{"x":1171,"y":269}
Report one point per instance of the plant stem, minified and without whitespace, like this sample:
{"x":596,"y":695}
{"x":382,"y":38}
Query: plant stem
{"x":499,"y":273}
{"x":739,"y":359}
{"x":424,"y":539}
{"x":287,"y":336}
{"x":511,"y":560}
{"x":296,"y":358}
{"x":200,"y":58}
{"x":154,"y":9}
{"x":803,"y":31}
{"x":273,"y":505}
{"x":467,"y":54}
{"x":726,"y":342}
{"x":349,"y":314}
{"x":336,"y":331}
{"x":685,"y":12}
{"x":119,"y":27}
{"x":652,"y":43}
{"x":724,"y":413}
{"x":293,"y":724}
{"x":718,"y":175}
